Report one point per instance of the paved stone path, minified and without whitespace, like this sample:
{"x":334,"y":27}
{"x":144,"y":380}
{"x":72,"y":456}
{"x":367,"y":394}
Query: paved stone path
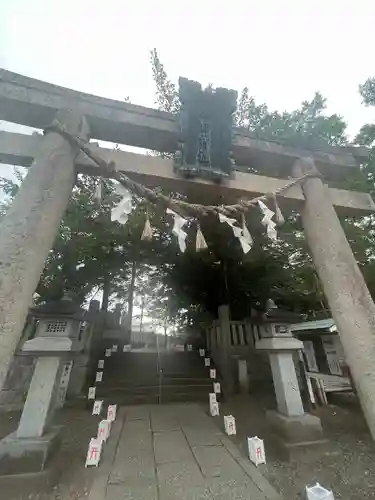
{"x":175,"y":452}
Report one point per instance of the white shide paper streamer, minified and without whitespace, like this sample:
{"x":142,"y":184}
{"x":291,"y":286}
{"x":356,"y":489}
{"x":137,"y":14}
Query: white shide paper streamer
{"x":179,"y":222}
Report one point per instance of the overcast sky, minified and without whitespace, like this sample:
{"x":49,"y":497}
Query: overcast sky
{"x":283,"y":50}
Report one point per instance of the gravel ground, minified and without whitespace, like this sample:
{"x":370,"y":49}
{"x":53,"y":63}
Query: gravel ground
{"x":346,"y":466}
{"x":75,"y":480}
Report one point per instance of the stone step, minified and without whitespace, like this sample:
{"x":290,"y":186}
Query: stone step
{"x":154,"y":381}
{"x":134,"y":378}
{"x":134,"y":399}
{"x":149,"y":389}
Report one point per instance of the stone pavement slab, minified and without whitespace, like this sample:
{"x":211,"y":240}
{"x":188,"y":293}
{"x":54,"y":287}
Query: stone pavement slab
{"x":133,"y":470}
{"x":134,"y":426}
{"x":202,"y":436}
{"x":176,"y":452}
{"x":215,"y":461}
{"x":171,"y":446}
{"x":180,"y":474}
{"x":125,"y":492}
{"x":234,"y":490}
{"x":137,"y":413}
{"x":136,"y":436}
{"x":182,"y":493}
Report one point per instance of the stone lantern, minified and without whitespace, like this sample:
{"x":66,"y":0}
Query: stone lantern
{"x":58,"y":337}
{"x":293,"y":427}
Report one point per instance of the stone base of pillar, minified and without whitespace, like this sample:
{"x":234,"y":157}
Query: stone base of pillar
{"x":296,"y":436}
{"x":28,"y":455}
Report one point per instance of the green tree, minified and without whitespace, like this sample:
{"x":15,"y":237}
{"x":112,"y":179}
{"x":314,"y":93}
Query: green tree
{"x":92,"y":253}
{"x":283,"y":270}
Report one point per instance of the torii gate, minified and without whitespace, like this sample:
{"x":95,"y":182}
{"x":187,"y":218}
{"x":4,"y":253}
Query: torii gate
{"x":29,"y":228}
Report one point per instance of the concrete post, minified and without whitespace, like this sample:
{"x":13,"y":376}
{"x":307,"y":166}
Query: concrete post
{"x":294,"y":429}
{"x":243,"y":376}
{"x":44,"y":385}
{"x":349,"y":299}
{"x":225,"y":348}
{"x":28,"y":230}
{"x":288,"y":395}
{"x":249,"y":334}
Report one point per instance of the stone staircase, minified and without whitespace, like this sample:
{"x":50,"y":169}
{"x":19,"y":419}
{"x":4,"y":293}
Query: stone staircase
{"x":152,"y":378}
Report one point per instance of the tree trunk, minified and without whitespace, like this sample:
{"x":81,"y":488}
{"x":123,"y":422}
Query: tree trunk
{"x":141,"y":321}
{"x":131,"y":295}
{"x":106,"y":293}
{"x":165,"y":332}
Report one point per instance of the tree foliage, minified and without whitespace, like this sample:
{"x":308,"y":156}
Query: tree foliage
{"x":283,"y":271}
{"x":91,"y":251}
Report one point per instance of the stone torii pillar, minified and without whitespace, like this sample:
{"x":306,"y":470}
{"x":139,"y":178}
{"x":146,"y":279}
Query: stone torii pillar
{"x":349,"y":299}
{"x":29,"y":228}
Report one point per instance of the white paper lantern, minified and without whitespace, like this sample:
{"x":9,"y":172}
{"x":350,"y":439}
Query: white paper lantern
{"x":91,"y":394}
{"x":111,"y":413}
{"x":256,"y":450}
{"x":108,"y":353}
{"x":101,"y":364}
{"x":217,"y":388}
{"x":114,"y":348}
{"x":202,"y":353}
{"x":207,"y":362}
{"x":214,"y":409}
{"x":99,"y":376}
{"x":230,"y":425}
{"x":104,"y":430}
{"x":212,"y":398}
{"x":93,"y":453}
{"x":212,"y":373}
{"x":97,"y":408}
{"x":317,"y":492}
